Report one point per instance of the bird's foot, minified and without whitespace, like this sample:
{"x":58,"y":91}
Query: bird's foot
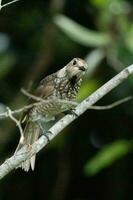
{"x":71,"y":112}
{"x":46,"y":134}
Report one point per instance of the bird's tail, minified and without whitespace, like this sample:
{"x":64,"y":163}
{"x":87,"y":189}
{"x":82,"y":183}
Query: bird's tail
{"x":31,"y":134}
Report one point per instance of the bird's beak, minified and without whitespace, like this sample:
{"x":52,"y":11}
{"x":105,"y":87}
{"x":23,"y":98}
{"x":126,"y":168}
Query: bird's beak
{"x":82,"y":68}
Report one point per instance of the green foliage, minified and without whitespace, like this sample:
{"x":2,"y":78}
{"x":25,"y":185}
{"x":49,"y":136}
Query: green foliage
{"x":87,"y":88}
{"x":94,"y":58}
{"x":99,"y":3}
{"x":129,"y":39}
{"x":107,"y":156}
{"x":81,"y":34}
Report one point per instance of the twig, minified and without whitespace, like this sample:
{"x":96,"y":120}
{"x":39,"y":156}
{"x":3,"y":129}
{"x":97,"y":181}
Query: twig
{"x":38,"y":99}
{"x":31,"y":96}
{"x":24,"y":154}
{"x":110,"y":106}
{"x":6,"y":4}
{"x":5,"y":114}
{"x":17,"y":124}
{"x":25,"y":108}
{"x":61,"y":101}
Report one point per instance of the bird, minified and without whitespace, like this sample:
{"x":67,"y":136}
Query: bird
{"x":61,"y":85}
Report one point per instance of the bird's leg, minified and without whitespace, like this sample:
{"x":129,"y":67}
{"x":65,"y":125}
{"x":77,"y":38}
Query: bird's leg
{"x":44,"y":132}
{"x":46,"y":135}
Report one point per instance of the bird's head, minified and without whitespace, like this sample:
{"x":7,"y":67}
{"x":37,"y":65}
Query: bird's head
{"x":76,"y":67}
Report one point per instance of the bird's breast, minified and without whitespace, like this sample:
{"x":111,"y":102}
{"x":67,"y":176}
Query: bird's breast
{"x":67,"y":89}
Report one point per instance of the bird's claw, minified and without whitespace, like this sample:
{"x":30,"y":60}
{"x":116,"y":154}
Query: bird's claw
{"x":46,"y":135}
{"x":71,"y":112}
{"x":74,"y":113}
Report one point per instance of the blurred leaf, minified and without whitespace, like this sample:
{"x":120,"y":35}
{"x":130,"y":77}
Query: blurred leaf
{"x":81,"y":34}
{"x":129,"y":39}
{"x":107,"y":156}
{"x":6,"y":63}
{"x":93,"y":59}
{"x":114,"y":6}
{"x":99,"y":3}
{"x":86,"y":88}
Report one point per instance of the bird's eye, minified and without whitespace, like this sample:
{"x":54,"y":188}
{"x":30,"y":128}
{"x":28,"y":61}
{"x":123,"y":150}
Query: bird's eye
{"x":74,"y":62}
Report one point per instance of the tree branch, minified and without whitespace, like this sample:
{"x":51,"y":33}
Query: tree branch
{"x":25,"y":153}
{"x":6,"y":4}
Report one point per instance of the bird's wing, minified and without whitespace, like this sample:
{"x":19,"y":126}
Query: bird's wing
{"x":46,"y":87}
{"x":44,"y":90}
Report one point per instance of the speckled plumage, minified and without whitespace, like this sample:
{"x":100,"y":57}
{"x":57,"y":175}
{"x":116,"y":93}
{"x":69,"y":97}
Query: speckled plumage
{"x":64,"y":85}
